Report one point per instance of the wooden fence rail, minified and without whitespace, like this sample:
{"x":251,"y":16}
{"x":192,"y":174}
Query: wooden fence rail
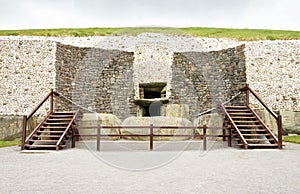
{"x":226,"y":133}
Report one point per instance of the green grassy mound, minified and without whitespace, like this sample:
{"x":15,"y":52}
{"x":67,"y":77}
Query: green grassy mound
{"x":238,"y":34}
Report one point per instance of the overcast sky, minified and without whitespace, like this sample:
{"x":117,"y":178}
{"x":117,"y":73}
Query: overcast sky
{"x":259,"y":14}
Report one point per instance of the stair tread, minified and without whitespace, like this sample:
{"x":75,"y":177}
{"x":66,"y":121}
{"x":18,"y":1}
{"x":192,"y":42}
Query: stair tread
{"x":252,"y":130}
{"x":47,"y":135}
{"x":249,"y":121}
{"x":249,"y":125}
{"x":61,"y":116}
{"x":259,"y":139}
{"x":47,"y":146}
{"x":245,"y":118}
{"x":60,"y":123}
{"x":50,"y":131}
{"x":257,"y":134}
{"x":240,"y":113}
{"x":43,"y":146}
{"x":239,"y":110}
{"x":267,"y":145}
{"x":59,"y":119}
{"x":64,"y":112}
{"x":53,"y":127}
{"x":46,"y":140}
{"x":236,"y":107}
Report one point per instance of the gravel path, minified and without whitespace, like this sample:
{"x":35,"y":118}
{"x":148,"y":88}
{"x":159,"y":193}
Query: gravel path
{"x":222,"y":170}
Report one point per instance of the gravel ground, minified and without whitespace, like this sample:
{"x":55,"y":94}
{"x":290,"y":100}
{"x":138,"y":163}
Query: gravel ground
{"x":222,"y":170}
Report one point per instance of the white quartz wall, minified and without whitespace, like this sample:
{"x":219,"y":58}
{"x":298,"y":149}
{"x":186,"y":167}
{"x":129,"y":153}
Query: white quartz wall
{"x":152,"y":63}
{"x":27,"y":66}
{"x":27,"y":72}
{"x":273,"y":71}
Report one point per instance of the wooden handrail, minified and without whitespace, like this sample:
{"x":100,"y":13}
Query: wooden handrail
{"x":26,"y":118}
{"x":262,"y":123}
{"x":41,"y":103}
{"x":37,"y":127}
{"x":247,"y":88}
{"x":277,"y":117}
{"x":151,"y":134}
{"x":154,"y":127}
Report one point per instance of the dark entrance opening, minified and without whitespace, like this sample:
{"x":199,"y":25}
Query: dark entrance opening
{"x":151,"y":97}
{"x":152,"y":90}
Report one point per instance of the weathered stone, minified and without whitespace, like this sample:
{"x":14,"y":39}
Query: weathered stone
{"x":200,"y":76}
{"x":158,"y":122}
{"x":11,"y":126}
{"x":268,"y":120}
{"x":177,"y":110}
{"x":290,"y":122}
{"x":213,"y":120}
{"x":93,"y":119}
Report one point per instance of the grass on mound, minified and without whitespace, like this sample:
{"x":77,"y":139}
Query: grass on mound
{"x":9,"y":143}
{"x":239,"y":34}
{"x":292,"y":139}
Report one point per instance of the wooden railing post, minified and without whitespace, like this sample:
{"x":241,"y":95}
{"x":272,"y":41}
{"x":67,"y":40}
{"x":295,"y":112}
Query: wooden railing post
{"x":24,"y":128}
{"x":224,"y":134}
{"x":151,"y":137}
{"x":229,"y":135}
{"x":247,"y":95}
{"x":51,"y":100}
{"x":98,"y":136}
{"x":73,"y":136}
{"x":204,"y":137}
{"x":279,"y":124}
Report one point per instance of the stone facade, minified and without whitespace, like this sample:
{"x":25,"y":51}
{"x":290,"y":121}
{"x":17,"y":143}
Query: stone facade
{"x":206,"y":79}
{"x":98,"y":80}
{"x":196,"y":79}
{"x":273,"y":71}
{"x":27,"y":73}
{"x":107,"y":81}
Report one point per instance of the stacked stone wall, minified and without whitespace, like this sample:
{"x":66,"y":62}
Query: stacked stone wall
{"x":96,"y":79}
{"x":204,"y":80}
{"x":30,"y":66}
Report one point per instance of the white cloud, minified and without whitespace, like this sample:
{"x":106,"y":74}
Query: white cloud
{"x":270,"y":14}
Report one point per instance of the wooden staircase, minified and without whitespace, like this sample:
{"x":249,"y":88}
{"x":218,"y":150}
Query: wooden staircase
{"x":53,"y":133}
{"x":248,"y":128}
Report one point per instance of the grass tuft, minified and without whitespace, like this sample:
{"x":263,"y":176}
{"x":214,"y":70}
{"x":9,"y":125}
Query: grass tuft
{"x":9,"y":143}
{"x":292,"y":139}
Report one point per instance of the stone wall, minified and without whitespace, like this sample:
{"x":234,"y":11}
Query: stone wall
{"x":96,"y":79}
{"x":206,"y":79}
{"x":30,"y":66}
{"x":273,"y":71}
{"x":27,"y":73}
{"x":152,"y":63}
{"x":11,"y":126}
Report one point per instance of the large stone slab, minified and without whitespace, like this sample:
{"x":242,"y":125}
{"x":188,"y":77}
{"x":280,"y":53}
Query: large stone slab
{"x":93,"y":119}
{"x":11,"y":126}
{"x":290,"y":122}
{"x":268,"y":120}
{"x":213,"y":120}
{"x":177,"y":110}
{"x":157,"y":121}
